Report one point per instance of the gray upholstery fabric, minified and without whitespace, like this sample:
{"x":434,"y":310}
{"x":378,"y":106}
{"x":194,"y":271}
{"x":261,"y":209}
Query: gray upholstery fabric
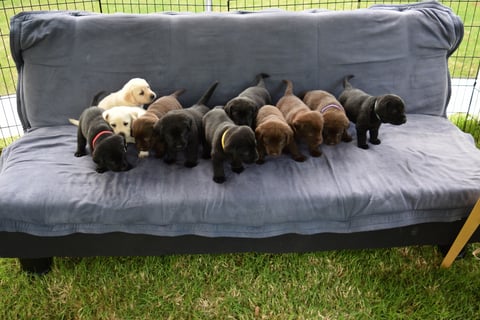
{"x":75,"y":55}
{"x":426,"y":170}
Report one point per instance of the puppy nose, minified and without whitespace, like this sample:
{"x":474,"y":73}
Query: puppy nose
{"x":152,"y":96}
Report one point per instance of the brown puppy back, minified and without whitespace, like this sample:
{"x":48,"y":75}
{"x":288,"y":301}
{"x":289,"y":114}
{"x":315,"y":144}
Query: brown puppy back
{"x":306,"y":124}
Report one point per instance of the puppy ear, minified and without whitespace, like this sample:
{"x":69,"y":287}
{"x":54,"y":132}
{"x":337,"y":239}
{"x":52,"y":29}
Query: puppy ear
{"x":134,"y":115}
{"x":130,"y":96}
{"x":289,"y":135}
{"x":258,"y":133}
{"x":227,"y":109}
{"x":296,"y":126}
{"x":158,"y":128}
{"x":106,"y":115}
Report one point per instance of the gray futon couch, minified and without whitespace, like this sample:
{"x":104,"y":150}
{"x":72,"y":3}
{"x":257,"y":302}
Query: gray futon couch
{"x":416,"y":187}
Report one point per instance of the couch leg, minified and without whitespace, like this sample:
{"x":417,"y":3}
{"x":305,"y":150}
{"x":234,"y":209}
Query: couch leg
{"x":38,"y":266}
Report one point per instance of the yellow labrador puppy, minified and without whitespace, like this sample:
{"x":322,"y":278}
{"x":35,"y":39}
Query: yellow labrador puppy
{"x":120,"y":118}
{"x":135,"y":93}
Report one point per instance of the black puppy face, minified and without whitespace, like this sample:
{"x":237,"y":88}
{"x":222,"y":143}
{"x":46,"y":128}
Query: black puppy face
{"x":174,"y":130}
{"x":241,"y":145}
{"x":391,"y":109}
{"x":110,"y":154}
{"x":241,"y":111}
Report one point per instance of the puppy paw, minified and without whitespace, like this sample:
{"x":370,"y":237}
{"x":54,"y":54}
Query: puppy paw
{"x":315,"y":153}
{"x":375,"y":141}
{"x":143,"y":154}
{"x":238,"y":169}
{"x":260,"y":161}
{"x":300,"y":158}
{"x":347,"y":139}
{"x":100,"y":170}
{"x":190,"y":164}
{"x":80,"y":154}
{"x":169,"y":160}
{"x":220,"y":179}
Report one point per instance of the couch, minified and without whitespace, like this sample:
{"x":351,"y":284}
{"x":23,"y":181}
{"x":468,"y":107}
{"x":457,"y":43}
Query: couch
{"x":415,"y":188}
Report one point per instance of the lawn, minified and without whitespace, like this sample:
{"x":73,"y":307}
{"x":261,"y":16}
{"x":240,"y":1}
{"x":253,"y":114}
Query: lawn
{"x":398,"y":283}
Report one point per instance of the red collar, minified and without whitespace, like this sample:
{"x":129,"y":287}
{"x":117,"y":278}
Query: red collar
{"x":101,"y":133}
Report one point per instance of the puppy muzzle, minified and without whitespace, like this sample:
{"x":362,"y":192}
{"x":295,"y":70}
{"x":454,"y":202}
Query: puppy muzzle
{"x":399,"y":121}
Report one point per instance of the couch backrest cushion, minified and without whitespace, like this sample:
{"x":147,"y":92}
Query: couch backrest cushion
{"x":65,"y":58}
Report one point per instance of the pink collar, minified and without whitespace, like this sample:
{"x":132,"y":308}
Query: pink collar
{"x":101,"y":133}
{"x":330,"y":106}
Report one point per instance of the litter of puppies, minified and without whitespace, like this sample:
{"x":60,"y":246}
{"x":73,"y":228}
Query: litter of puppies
{"x":246,"y":129}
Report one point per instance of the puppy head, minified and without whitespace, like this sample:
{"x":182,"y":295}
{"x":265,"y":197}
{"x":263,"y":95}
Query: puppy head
{"x":142,"y":131}
{"x":239,"y":144}
{"x":175,"y":130}
{"x":242,"y":111}
{"x":137,"y":91}
{"x":111,"y":154}
{"x":274,"y":136}
{"x":391,"y":109}
{"x":335,"y":123}
{"x":120,"y":121}
{"x":309,"y":126}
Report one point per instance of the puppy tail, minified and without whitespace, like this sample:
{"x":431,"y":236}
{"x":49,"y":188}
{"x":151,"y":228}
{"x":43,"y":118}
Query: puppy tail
{"x":177,"y":93}
{"x":96,"y":99}
{"x":289,"y":89}
{"x":73,"y":121}
{"x":260,"y":77}
{"x":347,"y":84}
{"x":208,"y":94}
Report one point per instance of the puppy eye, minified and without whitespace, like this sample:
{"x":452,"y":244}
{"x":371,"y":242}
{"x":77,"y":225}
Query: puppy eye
{"x":142,"y":93}
{"x":113,"y":125}
{"x":125,"y":124}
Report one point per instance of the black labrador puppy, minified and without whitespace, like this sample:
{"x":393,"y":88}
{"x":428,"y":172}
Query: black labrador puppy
{"x":243,"y":108}
{"x":183,"y":130}
{"x":369,"y":112}
{"x":228,"y":142}
{"x":108,"y":149}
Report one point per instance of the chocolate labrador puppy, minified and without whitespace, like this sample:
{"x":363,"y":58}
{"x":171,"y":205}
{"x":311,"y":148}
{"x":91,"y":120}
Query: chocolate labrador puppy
{"x":142,"y":127}
{"x":335,"y":120}
{"x":183,"y":130}
{"x":306,"y":124}
{"x":108,"y":149}
{"x":228,"y":142}
{"x":243,"y":108}
{"x":369,"y":112}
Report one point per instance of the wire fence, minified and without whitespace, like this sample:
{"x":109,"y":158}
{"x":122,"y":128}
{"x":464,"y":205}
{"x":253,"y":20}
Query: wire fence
{"x":464,"y":107}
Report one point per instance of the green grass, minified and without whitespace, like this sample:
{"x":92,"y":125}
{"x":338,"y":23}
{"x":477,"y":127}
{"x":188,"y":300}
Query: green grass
{"x":399,"y":283}
{"x":469,"y":124}
{"x":6,"y":141}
